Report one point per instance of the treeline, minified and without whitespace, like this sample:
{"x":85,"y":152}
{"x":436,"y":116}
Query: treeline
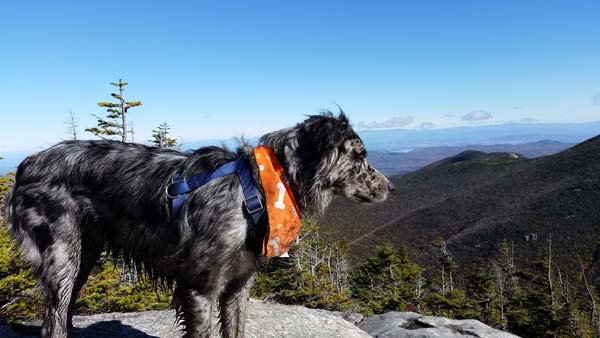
{"x":540,"y":300}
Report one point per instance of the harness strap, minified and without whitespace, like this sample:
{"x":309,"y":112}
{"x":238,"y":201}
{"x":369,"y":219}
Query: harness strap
{"x":181,"y":186}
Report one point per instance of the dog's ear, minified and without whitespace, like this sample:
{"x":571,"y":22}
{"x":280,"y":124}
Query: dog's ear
{"x":326,"y":132}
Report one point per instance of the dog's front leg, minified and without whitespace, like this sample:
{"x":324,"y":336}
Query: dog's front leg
{"x":194,"y":310}
{"x":233,"y":304}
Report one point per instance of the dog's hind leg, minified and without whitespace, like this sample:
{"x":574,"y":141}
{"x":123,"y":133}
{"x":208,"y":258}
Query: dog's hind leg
{"x":91,"y":248}
{"x":58,"y":280}
{"x":233,"y":304}
{"x":61,"y":262}
{"x":194,"y":310}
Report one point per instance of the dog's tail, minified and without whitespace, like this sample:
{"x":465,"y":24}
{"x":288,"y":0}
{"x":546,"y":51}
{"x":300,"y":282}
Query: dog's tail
{"x":25,"y":242}
{"x":7,"y":203}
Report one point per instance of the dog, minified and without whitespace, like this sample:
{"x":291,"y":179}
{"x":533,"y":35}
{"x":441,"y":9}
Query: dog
{"x":76,"y":199}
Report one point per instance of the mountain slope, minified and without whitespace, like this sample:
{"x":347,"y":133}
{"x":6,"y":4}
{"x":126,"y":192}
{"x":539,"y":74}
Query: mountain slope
{"x":475,"y":200}
{"x":394,"y":163}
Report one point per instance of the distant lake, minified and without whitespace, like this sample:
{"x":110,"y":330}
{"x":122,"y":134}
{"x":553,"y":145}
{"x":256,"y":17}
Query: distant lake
{"x":402,"y":151}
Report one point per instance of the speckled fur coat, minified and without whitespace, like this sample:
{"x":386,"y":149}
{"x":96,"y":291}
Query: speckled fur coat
{"x":78,"y":198}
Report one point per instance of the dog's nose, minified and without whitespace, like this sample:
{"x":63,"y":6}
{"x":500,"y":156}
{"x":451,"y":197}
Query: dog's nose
{"x":391,"y":186}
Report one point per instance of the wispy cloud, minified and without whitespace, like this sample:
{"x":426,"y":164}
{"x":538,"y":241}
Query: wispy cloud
{"x":529,"y":120}
{"x":394,"y":122}
{"x":477,"y":115}
{"x":596,"y":99}
{"x":425,"y":125}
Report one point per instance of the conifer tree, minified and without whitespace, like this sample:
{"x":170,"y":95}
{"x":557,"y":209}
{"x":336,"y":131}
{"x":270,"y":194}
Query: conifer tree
{"x":448,"y":267}
{"x":314,"y":276}
{"x":483,"y":290}
{"x":534,"y":310}
{"x":161,"y":137}
{"x":505,"y":279}
{"x":386,"y":281}
{"x":131,"y":131}
{"x":72,"y":126}
{"x":447,"y":299}
{"x":115,"y":123}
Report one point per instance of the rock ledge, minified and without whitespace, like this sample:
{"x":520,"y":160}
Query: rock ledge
{"x":275,"y":321}
{"x":414,"y":325}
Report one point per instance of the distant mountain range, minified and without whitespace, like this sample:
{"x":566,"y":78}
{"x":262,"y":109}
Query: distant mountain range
{"x":405,"y":140}
{"x":474,"y":200}
{"x":395,"y":140}
{"x":395,"y":163}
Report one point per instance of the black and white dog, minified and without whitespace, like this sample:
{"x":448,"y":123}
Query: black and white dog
{"x":78,"y":198}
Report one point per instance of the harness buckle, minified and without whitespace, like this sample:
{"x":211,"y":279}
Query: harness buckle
{"x":168,"y":194}
{"x":259,"y":208}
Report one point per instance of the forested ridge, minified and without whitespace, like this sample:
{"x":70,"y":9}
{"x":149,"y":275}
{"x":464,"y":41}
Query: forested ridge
{"x":475,"y":200}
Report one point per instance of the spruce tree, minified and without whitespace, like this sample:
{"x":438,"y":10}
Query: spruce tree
{"x":313,"y":276}
{"x":72,"y":126}
{"x":115,"y":123}
{"x":161,"y":137}
{"x":534,"y":310}
{"x":505,"y":279}
{"x":448,"y":267}
{"x":483,"y":290}
{"x":386,"y":281}
{"x":448,"y":299}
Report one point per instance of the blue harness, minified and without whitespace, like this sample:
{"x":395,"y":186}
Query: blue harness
{"x":181,"y":186}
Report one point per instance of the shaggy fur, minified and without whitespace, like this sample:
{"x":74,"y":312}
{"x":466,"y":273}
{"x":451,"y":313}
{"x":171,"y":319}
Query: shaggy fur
{"x":78,"y":198}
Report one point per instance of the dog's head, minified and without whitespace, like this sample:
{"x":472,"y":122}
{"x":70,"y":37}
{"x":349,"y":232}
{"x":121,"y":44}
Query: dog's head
{"x":324,"y":156}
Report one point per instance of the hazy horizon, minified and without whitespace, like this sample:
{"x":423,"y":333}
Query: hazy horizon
{"x":404,"y":140}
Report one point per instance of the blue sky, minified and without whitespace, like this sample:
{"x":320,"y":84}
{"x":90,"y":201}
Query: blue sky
{"x":219,"y":69}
